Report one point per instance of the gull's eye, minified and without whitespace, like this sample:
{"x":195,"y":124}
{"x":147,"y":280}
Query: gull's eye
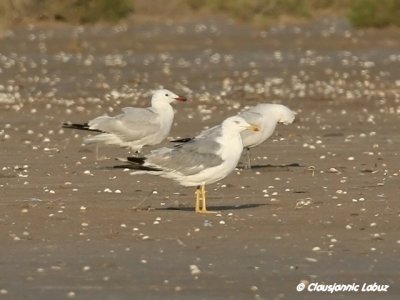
{"x":237,"y":122}
{"x":166,"y":95}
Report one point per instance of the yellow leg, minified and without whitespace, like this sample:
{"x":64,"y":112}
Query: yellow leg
{"x":203,"y":197}
{"x":198,"y":199}
{"x":201,"y":205}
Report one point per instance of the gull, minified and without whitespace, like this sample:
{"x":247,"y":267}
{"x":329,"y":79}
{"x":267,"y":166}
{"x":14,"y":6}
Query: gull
{"x":203,"y":160}
{"x":134,"y":127}
{"x":265,"y":116}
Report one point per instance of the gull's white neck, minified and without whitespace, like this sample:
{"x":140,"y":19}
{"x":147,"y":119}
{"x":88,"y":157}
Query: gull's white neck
{"x":232,"y":145}
{"x":166,"y":114}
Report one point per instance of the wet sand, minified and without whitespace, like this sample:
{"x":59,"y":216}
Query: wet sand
{"x":320,"y":205}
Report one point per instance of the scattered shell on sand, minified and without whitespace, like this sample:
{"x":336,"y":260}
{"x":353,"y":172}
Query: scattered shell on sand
{"x":194,"y":270}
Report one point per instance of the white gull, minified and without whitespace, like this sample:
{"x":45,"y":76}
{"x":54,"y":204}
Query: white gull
{"x":265,"y":116}
{"x":134,"y":127}
{"x":203,"y":160}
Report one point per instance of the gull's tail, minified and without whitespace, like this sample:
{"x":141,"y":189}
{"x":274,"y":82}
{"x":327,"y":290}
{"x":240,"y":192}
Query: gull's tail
{"x":84,"y":126}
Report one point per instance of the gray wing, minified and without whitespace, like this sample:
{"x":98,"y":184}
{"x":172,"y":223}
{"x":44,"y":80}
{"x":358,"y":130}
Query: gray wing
{"x":188,"y":158}
{"x":207,"y":133}
{"x":251,"y":117}
{"x":132,"y":124}
{"x":210,"y":133}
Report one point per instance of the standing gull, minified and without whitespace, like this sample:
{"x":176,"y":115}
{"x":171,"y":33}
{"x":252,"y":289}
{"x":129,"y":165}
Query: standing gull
{"x":134,"y":127}
{"x":203,"y":160}
{"x":265,"y":116}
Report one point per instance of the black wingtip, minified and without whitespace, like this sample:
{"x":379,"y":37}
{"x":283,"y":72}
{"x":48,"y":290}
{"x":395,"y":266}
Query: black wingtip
{"x":136,"y":160}
{"x":182,"y":140}
{"x":136,"y":163}
{"x":84,"y":126}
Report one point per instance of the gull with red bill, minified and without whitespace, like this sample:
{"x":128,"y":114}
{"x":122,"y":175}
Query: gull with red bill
{"x":134,"y":127}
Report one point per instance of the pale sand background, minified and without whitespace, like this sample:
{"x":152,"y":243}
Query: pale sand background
{"x":66,"y":233}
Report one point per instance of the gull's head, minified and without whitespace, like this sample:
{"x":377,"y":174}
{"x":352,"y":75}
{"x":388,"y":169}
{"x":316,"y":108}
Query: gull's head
{"x":238,"y":124}
{"x":165,"y":96}
{"x":287,"y":116}
{"x":274,"y":112}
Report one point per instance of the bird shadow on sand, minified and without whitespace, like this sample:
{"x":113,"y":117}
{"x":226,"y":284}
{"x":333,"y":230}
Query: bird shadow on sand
{"x":275,"y":167}
{"x":216,"y":208}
